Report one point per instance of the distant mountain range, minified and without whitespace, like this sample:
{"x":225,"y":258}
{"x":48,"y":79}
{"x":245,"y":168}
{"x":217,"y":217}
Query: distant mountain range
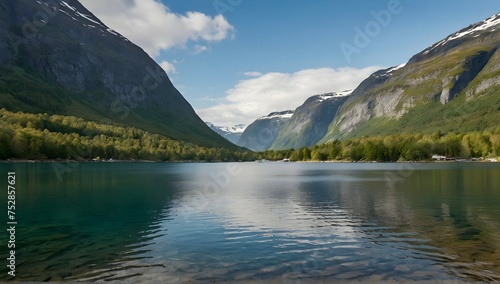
{"x":451,"y":86}
{"x":56,"y":57}
{"x":261,"y":134}
{"x":310,"y":121}
{"x":231,"y":133}
{"x":303,"y":127}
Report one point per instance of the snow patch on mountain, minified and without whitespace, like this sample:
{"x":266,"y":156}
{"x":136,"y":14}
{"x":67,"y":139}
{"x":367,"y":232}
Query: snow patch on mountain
{"x":278,"y":115}
{"x":74,"y":19}
{"x":231,"y":133}
{"x":396,"y":68}
{"x":240,"y":128}
{"x":488,"y":24}
{"x":76,"y":15}
{"x":388,"y":72}
{"x":233,"y":129}
{"x":87,"y":17}
{"x":69,"y":6}
{"x":328,"y":96}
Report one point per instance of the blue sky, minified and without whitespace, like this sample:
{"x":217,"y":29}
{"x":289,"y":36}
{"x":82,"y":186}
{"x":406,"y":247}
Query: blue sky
{"x":236,"y":60}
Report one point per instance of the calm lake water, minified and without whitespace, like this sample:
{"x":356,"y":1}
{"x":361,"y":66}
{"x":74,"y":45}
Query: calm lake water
{"x":262,"y":222}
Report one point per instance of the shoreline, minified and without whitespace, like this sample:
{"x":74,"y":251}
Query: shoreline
{"x":111,"y":161}
{"x":208,"y":162}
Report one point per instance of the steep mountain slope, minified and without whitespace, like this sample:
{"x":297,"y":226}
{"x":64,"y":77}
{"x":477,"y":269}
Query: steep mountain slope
{"x":261,"y":134}
{"x":310,"y":121}
{"x":58,"y":58}
{"x":231,"y":133}
{"x":453,"y":85}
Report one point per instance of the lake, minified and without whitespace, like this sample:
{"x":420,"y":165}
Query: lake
{"x":255,"y":222}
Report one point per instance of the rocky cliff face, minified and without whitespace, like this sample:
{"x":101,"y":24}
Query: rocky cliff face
{"x":461,"y":72}
{"x":57,"y":57}
{"x":261,"y":134}
{"x":310,"y":121}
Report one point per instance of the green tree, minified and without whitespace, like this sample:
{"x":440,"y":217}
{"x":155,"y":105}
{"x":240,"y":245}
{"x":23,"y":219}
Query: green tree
{"x":19,"y":145}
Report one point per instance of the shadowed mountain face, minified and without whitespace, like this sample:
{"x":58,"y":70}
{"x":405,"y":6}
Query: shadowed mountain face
{"x":303,"y":127}
{"x":310,"y":121}
{"x":261,"y":134}
{"x":56,"y":57}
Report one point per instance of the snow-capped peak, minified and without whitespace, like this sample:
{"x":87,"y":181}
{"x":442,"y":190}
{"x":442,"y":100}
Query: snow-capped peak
{"x":489,"y":24}
{"x":240,"y":128}
{"x":278,"y":115}
{"x":233,"y":129}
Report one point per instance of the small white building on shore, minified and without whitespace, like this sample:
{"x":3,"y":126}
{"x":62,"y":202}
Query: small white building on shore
{"x":439,"y":158}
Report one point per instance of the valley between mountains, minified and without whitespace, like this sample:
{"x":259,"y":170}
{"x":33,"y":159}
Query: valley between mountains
{"x":72,"y":88}
{"x":452,"y":86}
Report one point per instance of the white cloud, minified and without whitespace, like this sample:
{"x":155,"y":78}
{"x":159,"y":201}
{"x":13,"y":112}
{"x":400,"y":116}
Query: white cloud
{"x":168,"y":67}
{"x":252,"y":74}
{"x":152,"y":26}
{"x":199,"y":49}
{"x":210,"y":99}
{"x":259,"y":96}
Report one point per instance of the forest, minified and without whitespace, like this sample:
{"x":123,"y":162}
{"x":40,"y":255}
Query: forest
{"x":50,"y":137}
{"x":398,"y":147}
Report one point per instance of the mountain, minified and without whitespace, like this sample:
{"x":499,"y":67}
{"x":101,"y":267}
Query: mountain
{"x":261,"y":134}
{"x":231,"y":133}
{"x":310,"y":121}
{"x":451,"y":86}
{"x":56,"y":57}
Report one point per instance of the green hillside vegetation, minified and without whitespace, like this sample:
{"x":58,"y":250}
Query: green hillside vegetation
{"x":398,"y":147}
{"x":21,"y":90}
{"x":463,"y":114}
{"x":482,"y":113}
{"x":59,"y":66}
{"x":471,"y":74}
{"x":43,"y":136}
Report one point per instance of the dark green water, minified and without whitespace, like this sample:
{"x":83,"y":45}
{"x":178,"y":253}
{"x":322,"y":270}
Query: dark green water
{"x":276,"y":222}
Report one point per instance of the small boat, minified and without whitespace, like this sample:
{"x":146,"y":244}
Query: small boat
{"x":286,"y":160}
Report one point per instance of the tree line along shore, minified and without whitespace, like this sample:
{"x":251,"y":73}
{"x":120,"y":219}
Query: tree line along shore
{"x":25,"y":136}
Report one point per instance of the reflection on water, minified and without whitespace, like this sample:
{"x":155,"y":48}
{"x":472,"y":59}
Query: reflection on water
{"x":251,"y":222}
